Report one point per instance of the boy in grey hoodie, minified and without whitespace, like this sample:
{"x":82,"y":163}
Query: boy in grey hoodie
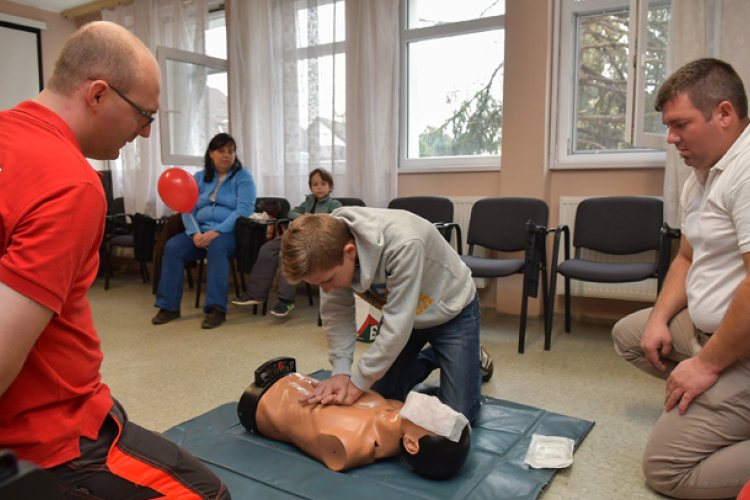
{"x":399,"y":263}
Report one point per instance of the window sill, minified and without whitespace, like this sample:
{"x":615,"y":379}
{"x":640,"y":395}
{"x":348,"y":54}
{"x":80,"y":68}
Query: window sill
{"x":450,"y":165}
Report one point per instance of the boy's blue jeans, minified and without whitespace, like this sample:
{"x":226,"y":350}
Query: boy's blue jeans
{"x":179,"y":250}
{"x":454,"y":348}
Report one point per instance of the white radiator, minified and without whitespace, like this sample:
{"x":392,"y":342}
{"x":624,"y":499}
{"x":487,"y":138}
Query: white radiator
{"x":461,"y":215}
{"x":638,"y":291}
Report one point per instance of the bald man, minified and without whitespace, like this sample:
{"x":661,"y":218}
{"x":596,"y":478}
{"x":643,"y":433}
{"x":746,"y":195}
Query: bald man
{"x":54,"y":409}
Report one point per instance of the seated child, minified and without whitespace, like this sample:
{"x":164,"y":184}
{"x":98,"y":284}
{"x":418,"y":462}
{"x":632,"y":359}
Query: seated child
{"x":264,"y":270}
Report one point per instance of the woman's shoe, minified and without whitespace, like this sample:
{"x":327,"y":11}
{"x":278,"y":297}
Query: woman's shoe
{"x":214,"y":317}
{"x":164,"y":316}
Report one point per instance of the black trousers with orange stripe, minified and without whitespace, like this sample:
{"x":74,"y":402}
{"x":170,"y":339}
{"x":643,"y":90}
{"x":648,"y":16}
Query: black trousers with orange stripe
{"x":128,"y":462}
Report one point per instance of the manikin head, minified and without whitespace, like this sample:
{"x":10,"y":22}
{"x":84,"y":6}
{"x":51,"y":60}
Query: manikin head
{"x":436,"y":439}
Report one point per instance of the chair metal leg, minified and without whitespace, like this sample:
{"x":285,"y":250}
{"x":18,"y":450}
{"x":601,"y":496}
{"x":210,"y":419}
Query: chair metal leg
{"x":157,"y":274}
{"x":545,"y":307}
{"x":522,"y":328}
{"x":199,"y":284}
{"x":550,"y":310}
{"x":144,"y":271}
{"x":567,"y":305}
{"x":234,"y":276}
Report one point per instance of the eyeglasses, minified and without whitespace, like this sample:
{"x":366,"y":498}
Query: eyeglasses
{"x":149,"y":116}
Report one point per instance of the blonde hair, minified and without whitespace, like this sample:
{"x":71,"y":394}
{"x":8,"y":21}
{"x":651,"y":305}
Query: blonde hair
{"x":100,"y":50}
{"x":312,"y":244}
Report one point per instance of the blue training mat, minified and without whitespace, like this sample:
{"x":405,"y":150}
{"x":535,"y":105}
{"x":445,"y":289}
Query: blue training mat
{"x":254,"y":467}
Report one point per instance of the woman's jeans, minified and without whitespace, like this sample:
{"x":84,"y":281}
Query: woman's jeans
{"x":454,"y":348}
{"x":179,"y":250}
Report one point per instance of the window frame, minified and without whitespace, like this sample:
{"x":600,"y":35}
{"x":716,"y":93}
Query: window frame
{"x":442,"y":163}
{"x":564,"y":96}
{"x":163,"y":54}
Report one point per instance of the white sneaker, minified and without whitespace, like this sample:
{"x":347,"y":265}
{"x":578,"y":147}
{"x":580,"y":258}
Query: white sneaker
{"x":246,"y":300}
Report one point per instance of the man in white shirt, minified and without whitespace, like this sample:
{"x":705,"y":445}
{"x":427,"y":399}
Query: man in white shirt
{"x":697,"y":335}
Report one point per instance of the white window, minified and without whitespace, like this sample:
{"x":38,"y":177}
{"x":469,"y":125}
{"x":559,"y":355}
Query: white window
{"x":194,"y":96}
{"x":320,"y":96}
{"x":452,"y":84}
{"x":611,"y":63}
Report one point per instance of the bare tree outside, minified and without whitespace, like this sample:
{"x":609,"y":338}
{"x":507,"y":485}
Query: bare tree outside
{"x":603,"y":57}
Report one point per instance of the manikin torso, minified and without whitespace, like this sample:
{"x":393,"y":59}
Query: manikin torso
{"x":342,"y":437}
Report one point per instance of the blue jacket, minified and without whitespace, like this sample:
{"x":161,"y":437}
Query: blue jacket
{"x":236,"y":198}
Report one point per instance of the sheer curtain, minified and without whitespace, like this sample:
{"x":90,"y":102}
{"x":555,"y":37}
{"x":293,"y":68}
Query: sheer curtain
{"x":314,"y":83}
{"x":170,"y":23}
{"x":702,"y":28}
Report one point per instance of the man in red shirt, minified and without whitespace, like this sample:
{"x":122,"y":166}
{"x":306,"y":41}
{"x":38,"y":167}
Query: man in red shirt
{"x":54,"y":409}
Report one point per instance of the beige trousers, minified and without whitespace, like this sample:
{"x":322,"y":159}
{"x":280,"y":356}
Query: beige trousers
{"x":704,"y":453}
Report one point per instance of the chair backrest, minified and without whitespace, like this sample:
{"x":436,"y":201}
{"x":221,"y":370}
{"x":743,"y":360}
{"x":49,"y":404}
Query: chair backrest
{"x":351,"y":202}
{"x":432,"y":208}
{"x":118,"y":223}
{"x":262,"y":203}
{"x":117,"y":206}
{"x":619,"y":225}
{"x":500,"y":223}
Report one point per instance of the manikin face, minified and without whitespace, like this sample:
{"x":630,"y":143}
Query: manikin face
{"x":698,"y":141}
{"x":223,"y":158}
{"x":319,"y":187}
{"x":337,"y":277}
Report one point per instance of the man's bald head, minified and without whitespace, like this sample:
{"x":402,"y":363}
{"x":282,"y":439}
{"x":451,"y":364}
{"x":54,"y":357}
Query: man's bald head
{"x":99,"y":50}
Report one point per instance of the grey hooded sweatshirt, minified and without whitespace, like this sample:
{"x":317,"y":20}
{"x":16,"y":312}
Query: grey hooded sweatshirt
{"x":408,"y":271}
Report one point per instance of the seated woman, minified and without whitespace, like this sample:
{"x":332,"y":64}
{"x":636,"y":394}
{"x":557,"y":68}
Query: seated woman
{"x":433,"y":438}
{"x":226,"y":191}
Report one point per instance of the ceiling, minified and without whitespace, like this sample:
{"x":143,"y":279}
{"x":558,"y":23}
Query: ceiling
{"x":54,"y":5}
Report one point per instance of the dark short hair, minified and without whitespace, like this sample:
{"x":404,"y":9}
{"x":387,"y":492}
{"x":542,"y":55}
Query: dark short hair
{"x":324,"y":174}
{"x":439,"y":457}
{"x":218,"y":142}
{"x":707,"y":82}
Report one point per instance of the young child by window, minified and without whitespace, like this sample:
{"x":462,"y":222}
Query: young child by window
{"x":264,"y":271}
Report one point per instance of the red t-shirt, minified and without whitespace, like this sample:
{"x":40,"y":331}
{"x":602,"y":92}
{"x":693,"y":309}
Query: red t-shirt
{"x":52,"y":212}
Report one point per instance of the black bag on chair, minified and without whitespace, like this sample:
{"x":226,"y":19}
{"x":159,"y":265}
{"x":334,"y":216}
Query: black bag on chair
{"x":144,"y":237}
{"x":250,"y":235}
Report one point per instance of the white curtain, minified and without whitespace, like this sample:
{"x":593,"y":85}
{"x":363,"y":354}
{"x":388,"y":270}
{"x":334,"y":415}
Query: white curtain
{"x":314,"y":83}
{"x":702,"y":28}
{"x":177,"y":24}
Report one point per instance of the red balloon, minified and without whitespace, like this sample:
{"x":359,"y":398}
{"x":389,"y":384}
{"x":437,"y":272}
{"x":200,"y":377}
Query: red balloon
{"x":178,"y":190}
{"x":745,"y":493}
